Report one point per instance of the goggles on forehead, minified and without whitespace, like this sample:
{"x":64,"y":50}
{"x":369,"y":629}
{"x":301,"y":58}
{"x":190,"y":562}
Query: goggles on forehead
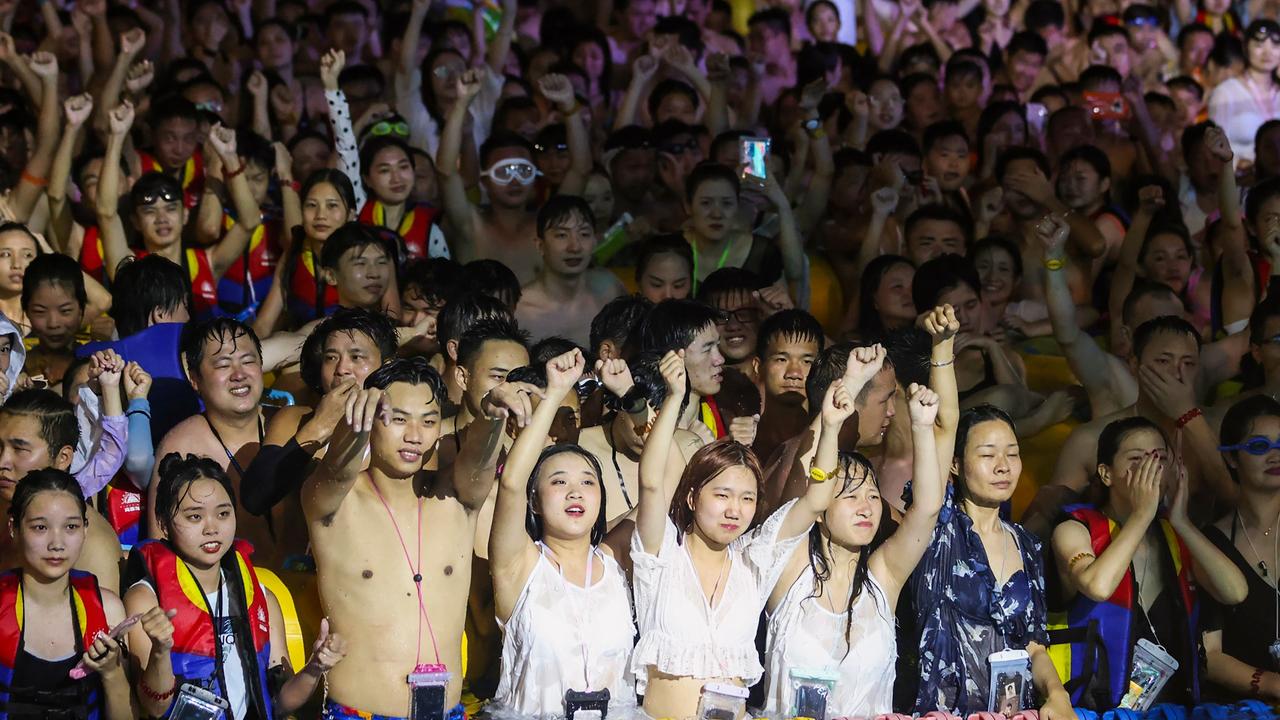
{"x":1256,"y":445}
{"x":1266,"y":33}
{"x":389,"y":127}
{"x":518,"y":170}
{"x":160,"y":194}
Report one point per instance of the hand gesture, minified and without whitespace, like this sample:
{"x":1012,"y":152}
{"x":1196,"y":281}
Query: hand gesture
{"x":615,"y":376}
{"x":858,"y":104}
{"x":837,"y":405}
{"x":108,"y":367}
{"x":77,"y":109}
{"x":863,"y":364}
{"x":283,"y":162}
{"x":563,"y":371}
{"x":223,"y":140}
{"x":1171,"y":396}
{"x":156,"y":624}
{"x":328,"y":650}
{"x":743,"y":429}
{"x":773,"y":299}
{"x":1177,"y":494}
{"x":331,"y":64}
{"x":8,"y":53}
{"x":331,"y":409}
{"x":1053,"y":231}
{"x":469,"y":84}
{"x":351,"y":437}
{"x":44,"y":65}
{"x":680,"y":59}
{"x":990,"y":203}
{"x":1144,"y":485}
{"x":1270,"y":239}
{"x":140,"y":76}
{"x":104,"y":656}
{"x":718,"y":68}
{"x":1033,"y":184}
{"x":1150,"y":199}
{"x":1057,"y":707}
{"x":557,"y":90}
{"x":673,"y":373}
{"x":922,"y":405}
{"x":932,"y":190}
{"x":137,"y":382}
{"x":884,"y":201}
{"x":93,"y":8}
{"x":812,"y":94}
{"x":940,"y":323}
{"x":511,"y":401}
{"x":257,"y":85}
{"x":82,"y":23}
{"x":1218,"y":145}
{"x":121,"y":119}
{"x":283,"y":104}
{"x":643,"y":69}
{"x":132,"y":42}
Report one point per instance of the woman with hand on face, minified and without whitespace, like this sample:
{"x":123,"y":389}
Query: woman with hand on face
{"x":561,"y":598}
{"x":54,"y":619}
{"x":1132,"y":574}
{"x":701,"y":579}
{"x":205,"y":618}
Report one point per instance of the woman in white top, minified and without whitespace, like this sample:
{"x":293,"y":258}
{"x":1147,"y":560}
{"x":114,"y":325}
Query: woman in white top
{"x":562,"y":601}
{"x":832,"y":611}
{"x":1241,"y":104}
{"x":700,"y":580}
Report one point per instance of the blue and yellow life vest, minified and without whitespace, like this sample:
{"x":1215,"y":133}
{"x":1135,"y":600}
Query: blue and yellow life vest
{"x":91,"y":619}
{"x":1094,"y":641}
{"x":196,"y":653}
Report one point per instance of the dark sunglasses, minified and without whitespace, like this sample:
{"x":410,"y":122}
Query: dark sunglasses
{"x":1256,"y":445}
{"x":1266,"y":33}
{"x":163,"y":194}
{"x":680,"y":148}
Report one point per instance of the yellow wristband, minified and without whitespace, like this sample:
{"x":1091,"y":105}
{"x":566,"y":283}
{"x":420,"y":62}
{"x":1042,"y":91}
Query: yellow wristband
{"x":1054,"y":264}
{"x":819,"y":475}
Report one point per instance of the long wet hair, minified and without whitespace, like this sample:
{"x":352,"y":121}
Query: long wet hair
{"x":533,"y":520}
{"x":819,"y":545}
{"x":705,"y":465}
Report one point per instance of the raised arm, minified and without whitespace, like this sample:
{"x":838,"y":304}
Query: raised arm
{"x":897,"y":557}
{"x":288,"y":194}
{"x":114,"y":244}
{"x":344,"y":136}
{"x":248,"y":216}
{"x":813,"y":204}
{"x":559,"y":92}
{"x":476,"y":466}
{"x":1213,"y":570}
{"x":457,"y":206}
{"x":260,"y":96}
{"x":18,"y":66}
{"x":35,"y":176}
{"x":1237,"y":271}
{"x":789,"y":242}
{"x":718,"y":77}
{"x":1084,"y":240}
{"x":656,"y":488}
{"x":642,"y":72}
{"x":77,"y":110}
{"x":407,"y":62}
{"x":1150,"y":200}
{"x":496,"y":57}
{"x":942,"y":326}
{"x":131,"y":45}
{"x":333,"y":477}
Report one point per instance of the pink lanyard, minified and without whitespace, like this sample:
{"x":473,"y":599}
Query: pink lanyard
{"x":417,"y":574}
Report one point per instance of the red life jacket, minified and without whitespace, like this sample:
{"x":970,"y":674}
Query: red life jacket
{"x":122,"y":504}
{"x":192,"y":175}
{"x":93,"y":258}
{"x":262,"y":254}
{"x":414,"y":228}
{"x":91,"y":620}
{"x":303,"y":286}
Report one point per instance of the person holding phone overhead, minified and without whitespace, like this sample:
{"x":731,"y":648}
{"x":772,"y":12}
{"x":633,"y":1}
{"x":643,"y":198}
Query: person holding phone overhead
{"x":38,"y":647}
{"x":713,"y":195}
{"x":561,"y":598}
{"x":1239,"y":105}
{"x":701,"y":578}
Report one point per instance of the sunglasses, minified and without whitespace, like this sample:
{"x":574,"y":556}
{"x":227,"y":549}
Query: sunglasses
{"x":690,"y":145}
{"x":1256,"y":445}
{"x":388,"y":127}
{"x":505,"y":172}
{"x":745,"y":316}
{"x":157,"y":195}
{"x":1266,"y":33}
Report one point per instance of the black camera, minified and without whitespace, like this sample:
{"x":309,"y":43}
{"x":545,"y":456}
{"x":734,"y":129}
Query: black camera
{"x":586,"y":702}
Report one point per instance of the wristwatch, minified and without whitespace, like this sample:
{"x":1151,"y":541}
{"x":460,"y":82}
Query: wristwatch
{"x":812,"y":124}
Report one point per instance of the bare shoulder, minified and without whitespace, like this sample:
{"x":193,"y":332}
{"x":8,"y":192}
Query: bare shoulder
{"x":605,"y":285}
{"x":194,"y":429}
{"x":593,"y":439}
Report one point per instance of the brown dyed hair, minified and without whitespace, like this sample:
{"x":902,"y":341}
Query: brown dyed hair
{"x":707,"y":463}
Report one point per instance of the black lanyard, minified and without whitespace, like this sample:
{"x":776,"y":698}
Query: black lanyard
{"x":613,"y":447}
{"x":218,"y":660}
{"x":235,"y":463}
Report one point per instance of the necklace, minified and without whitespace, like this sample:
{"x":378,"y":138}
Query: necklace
{"x":1146,"y":563}
{"x":415,"y":569}
{"x":1262,"y":564}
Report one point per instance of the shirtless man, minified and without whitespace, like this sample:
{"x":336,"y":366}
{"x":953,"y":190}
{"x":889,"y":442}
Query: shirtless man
{"x":224,"y":364}
{"x":691,"y":326}
{"x":567,"y":293}
{"x":38,"y":430}
{"x":395,"y":585}
{"x":788,"y":345}
{"x":506,"y":229}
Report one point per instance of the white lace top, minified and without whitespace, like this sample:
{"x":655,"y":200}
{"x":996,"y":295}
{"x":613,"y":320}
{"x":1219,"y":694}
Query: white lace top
{"x":680,"y":634}
{"x":558,"y":632}
{"x":805,"y":635}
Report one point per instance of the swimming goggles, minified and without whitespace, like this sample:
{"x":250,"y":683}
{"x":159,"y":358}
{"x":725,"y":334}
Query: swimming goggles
{"x":389,"y":127}
{"x":1256,"y":445}
{"x":160,"y":194}
{"x":518,"y":170}
{"x":1265,"y":32}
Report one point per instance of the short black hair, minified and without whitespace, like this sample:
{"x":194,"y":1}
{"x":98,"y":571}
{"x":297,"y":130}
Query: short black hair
{"x":941,"y":130}
{"x":412,"y":370}
{"x":176,"y":473}
{"x":686,"y":31}
{"x":1142,"y":289}
{"x":493,"y":278}
{"x":1021,"y":152}
{"x":482,"y":331}
{"x":501,"y":139}
{"x":1191,"y":29}
{"x":55,"y":269}
{"x":466,"y":310}
{"x":434,"y":278}
{"x":144,"y":286}
{"x":560,"y":208}
{"x":998,"y":242}
{"x":1187,"y":82}
{"x":220,"y":330}
{"x":791,"y":323}
{"x":729,"y":280}
{"x":1041,"y":14}
{"x":1096,"y":75}
{"x":672,"y":243}
{"x":255,"y":149}
{"x":168,"y":107}
{"x":354,"y":236}
{"x":57,"y":417}
{"x":1171,"y":324}
{"x":552,"y":347}
{"x":155,"y":185}
{"x":941,"y":213}
{"x":893,"y":142}
{"x":619,"y":322}
{"x":774,"y":18}
{"x":706,"y":171}
{"x":343,"y":7}
{"x":828,"y":367}
{"x":939,"y":275}
{"x":673,"y":324}
{"x":1028,"y":42}
{"x":671,"y":86}
{"x":1259,"y":195}
{"x":373,"y":325}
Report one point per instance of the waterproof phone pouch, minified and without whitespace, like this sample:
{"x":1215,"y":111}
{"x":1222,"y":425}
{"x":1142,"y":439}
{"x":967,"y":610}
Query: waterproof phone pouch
{"x":196,"y":703}
{"x":1152,"y":668}
{"x":810,"y":689}
{"x":1010,"y":679}
{"x":586,"y":705}
{"x":752,"y":152}
{"x":1274,"y":650}
{"x":428,"y":687}
{"x":721,"y":701}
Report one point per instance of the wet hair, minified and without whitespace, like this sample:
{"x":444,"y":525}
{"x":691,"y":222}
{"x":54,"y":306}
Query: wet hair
{"x":706,"y":464}
{"x":991,"y":114}
{"x":1227,"y":50}
{"x":69,"y":390}
{"x":941,"y":275}
{"x":940,"y":213}
{"x":170,"y":107}
{"x":434,"y":278}
{"x":673,"y":324}
{"x":411,"y":370}
{"x":1237,"y":424}
{"x":57,"y":417}
{"x":672,"y":243}
{"x":705,"y":172}
{"x":177,"y":475}
{"x":828,"y":367}
{"x":533,"y":520}
{"x":373,"y":325}
{"x":464,"y":311}
{"x":774,"y":18}
{"x":619,"y":322}
{"x":502,"y":139}
{"x":1091,"y":155}
{"x":869,"y":322}
{"x":493,"y":278}
{"x":255,"y":149}
{"x":44,"y":480}
{"x":1188,"y":83}
{"x":969,"y":419}
{"x":1142,"y":289}
{"x":1260,"y":195}
{"x":1041,"y":14}
{"x":549,"y":348}
{"x":156,"y":185}
{"x":220,"y":330}
{"x":354,"y":236}
{"x":337,"y":179}
{"x":1028,"y":42}
{"x":992,"y":243}
{"x":54,"y":269}
{"x":728,"y":281}
{"x":1262,"y":312}
{"x":1147,"y":331}
{"x":483,"y":331}
{"x":893,"y":142}
{"x":1109,"y":442}
{"x":790,"y":324}
{"x":144,"y":286}
{"x":560,"y":209}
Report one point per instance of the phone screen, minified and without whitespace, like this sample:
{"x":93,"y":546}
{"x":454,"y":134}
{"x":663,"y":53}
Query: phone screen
{"x":752,"y":153}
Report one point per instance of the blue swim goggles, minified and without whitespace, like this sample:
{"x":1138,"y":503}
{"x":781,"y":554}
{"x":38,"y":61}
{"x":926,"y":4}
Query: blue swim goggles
{"x":1256,"y":445}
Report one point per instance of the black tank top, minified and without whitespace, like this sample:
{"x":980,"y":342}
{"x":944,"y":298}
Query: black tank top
{"x":43,"y":689}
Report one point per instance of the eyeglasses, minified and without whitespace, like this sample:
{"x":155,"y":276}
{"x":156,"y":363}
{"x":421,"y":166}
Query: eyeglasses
{"x":1256,"y":445}
{"x":558,"y":147}
{"x":387,"y":127}
{"x":1266,"y":33}
{"x":444,"y":72}
{"x":745,"y":316}
{"x":519,"y":170}
{"x":690,"y":145}
{"x":159,"y":194}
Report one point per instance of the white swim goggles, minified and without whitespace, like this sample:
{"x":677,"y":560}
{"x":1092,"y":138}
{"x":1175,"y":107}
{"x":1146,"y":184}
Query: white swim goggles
{"x":516,"y":170}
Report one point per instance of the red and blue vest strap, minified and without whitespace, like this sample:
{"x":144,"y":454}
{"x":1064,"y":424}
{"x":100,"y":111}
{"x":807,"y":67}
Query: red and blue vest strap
{"x":196,"y":654}
{"x":122,"y":504}
{"x":261,"y":255}
{"x":711,"y":417}
{"x":93,"y":257}
{"x":414,"y":229}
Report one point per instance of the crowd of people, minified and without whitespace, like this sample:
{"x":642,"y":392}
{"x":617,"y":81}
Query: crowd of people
{"x":639,"y":358}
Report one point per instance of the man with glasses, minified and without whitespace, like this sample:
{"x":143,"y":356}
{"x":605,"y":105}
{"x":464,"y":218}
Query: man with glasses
{"x":506,"y":228}
{"x":567,"y":292}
